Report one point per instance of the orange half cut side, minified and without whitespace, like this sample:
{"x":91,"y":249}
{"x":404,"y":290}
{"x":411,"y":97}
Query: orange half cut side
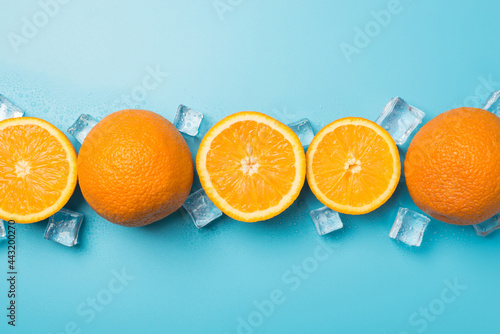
{"x":37,"y":169}
{"x":251,"y":166}
{"x":353,"y":165}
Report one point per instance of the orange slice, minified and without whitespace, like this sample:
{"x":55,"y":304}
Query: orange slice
{"x":37,"y":169}
{"x":353,"y":165}
{"x":251,"y":166}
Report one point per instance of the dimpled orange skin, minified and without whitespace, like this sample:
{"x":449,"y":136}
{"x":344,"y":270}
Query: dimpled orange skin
{"x":452,"y":166}
{"x":135,"y":168}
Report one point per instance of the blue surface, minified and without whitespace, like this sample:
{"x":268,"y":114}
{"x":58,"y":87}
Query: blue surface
{"x":282,"y":58}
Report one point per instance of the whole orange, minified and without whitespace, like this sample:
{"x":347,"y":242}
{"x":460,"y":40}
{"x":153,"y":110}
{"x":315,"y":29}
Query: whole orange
{"x":135,"y":168}
{"x":452,"y":167}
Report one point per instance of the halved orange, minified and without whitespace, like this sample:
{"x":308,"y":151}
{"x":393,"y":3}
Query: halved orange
{"x":353,"y":165}
{"x":37,"y":169}
{"x":251,"y":166}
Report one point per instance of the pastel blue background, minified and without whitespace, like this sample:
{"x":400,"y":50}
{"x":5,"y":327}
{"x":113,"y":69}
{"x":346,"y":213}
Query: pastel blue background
{"x":282,"y":58}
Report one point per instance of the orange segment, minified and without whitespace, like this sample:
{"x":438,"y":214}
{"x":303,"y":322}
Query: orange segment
{"x":353,"y":165}
{"x":37,"y":170}
{"x":251,"y":166}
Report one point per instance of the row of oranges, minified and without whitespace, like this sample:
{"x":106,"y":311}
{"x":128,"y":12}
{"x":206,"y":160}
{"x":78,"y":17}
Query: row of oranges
{"x":135,"y":168}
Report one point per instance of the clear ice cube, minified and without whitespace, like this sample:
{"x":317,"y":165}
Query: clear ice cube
{"x":488,"y":226}
{"x":493,"y":103}
{"x":188,"y":120}
{"x":8,"y":109}
{"x":409,"y":227}
{"x":63,"y":227}
{"x":81,"y":128}
{"x":400,"y":119}
{"x":3,"y":232}
{"x":304,"y":131}
{"x":201,"y":209}
{"x":326,"y":220}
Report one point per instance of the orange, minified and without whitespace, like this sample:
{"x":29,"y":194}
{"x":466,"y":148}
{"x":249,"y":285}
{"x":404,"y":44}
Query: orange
{"x":353,"y":165}
{"x":135,"y":168}
{"x":37,"y":169}
{"x":452,"y":167}
{"x":251,"y":166}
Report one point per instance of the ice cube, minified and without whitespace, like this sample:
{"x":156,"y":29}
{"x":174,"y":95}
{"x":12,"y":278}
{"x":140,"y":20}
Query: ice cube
{"x":188,"y":120}
{"x":488,"y":226}
{"x":63,"y":227}
{"x":409,"y":227}
{"x":8,"y":109}
{"x":326,"y":220}
{"x":3,"y":232}
{"x":304,"y":130}
{"x":400,"y":119}
{"x":201,"y":209}
{"x":81,"y":128}
{"x":493,"y":103}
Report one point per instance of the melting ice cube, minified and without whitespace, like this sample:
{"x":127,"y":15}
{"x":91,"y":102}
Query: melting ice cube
{"x":8,"y":109}
{"x":188,"y":120}
{"x":400,"y":119}
{"x":3,"y":232}
{"x":304,"y":131}
{"x":201,"y":209}
{"x":493,"y":103}
{"x":81,"y":128}
{"x":326,"y":220}
{"x":409,"y":227}
{"x":63,"y":227}
{"x":488,"y":226}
